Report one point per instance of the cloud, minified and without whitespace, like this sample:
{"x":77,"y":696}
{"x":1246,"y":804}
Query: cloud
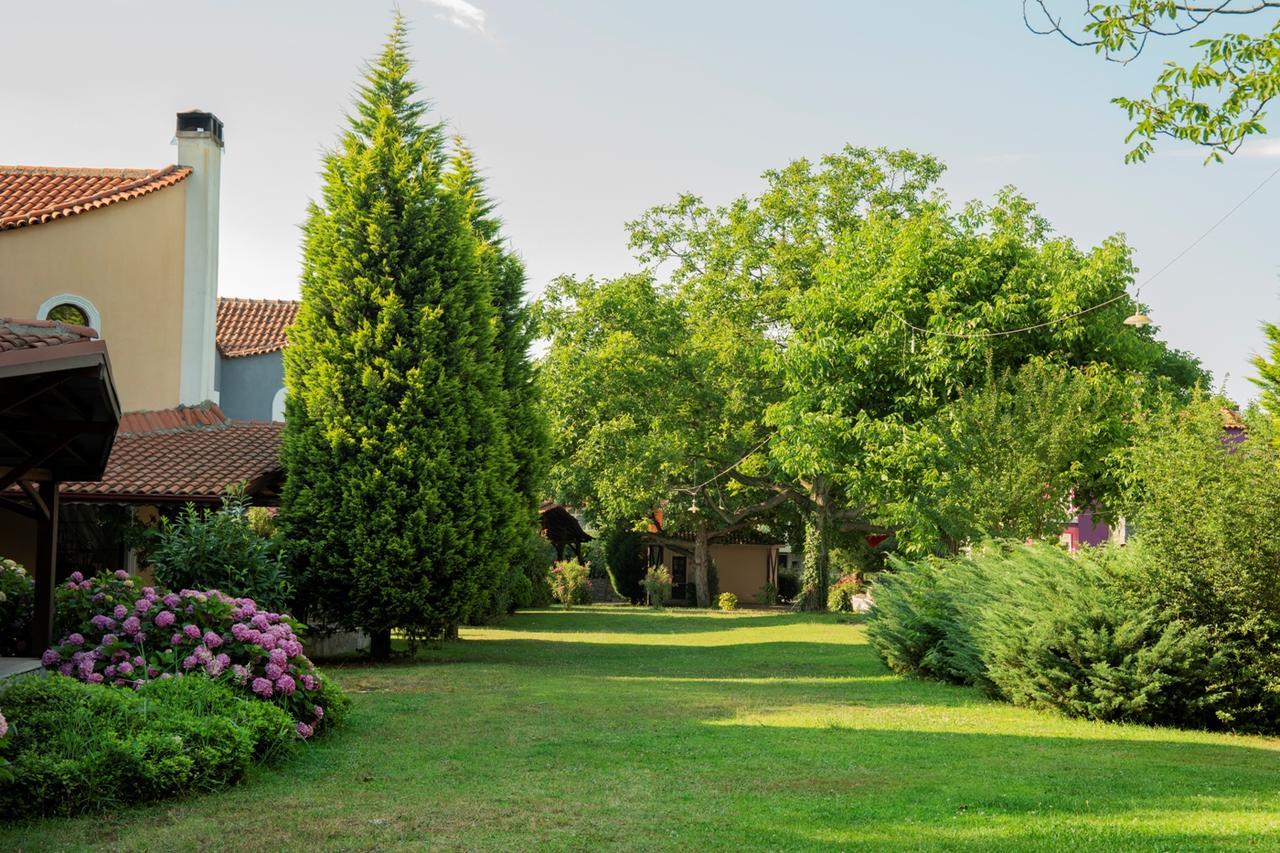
{"x":1265,"y":147}
{"x":463,"y":15}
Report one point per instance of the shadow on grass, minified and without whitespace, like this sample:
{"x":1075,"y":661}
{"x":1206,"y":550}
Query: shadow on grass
{"x":640,"y":620}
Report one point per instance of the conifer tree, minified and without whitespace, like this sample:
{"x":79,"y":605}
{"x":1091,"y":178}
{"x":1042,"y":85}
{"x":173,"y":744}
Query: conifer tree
{"x":514,"y":331}
{"x":397,"y":462}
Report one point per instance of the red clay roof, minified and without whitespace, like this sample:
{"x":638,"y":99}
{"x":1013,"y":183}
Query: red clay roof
{"x":29,"y":334}
{"x":253,"y":326}
{"x":192,"y":453}
{"x":30,"y":195}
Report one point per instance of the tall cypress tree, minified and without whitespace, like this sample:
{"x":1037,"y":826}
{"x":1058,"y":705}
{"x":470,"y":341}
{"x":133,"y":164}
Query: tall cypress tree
{"x":514,"y":333}
{"x":395,"y":449}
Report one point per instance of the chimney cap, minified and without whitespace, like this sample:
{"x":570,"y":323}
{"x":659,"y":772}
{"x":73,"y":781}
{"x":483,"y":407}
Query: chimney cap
{"x":198,"y":123}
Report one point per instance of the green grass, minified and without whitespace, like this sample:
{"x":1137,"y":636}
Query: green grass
{"x":618,"y":728}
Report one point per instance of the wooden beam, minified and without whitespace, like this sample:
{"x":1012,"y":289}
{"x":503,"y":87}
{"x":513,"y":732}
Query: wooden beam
{"x":45,"y":570}
{"x":20,"y":472}
{"x":19,"y":508}
{"x":33,"y":494}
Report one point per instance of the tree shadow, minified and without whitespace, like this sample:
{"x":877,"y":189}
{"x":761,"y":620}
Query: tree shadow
{"x":643,"y":621}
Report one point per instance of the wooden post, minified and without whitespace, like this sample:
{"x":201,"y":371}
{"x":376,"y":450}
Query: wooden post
{"x":45,"y":568}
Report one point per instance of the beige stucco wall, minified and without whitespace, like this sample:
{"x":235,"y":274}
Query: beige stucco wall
{"x":741,"y":569}
{"x":127,"y":259}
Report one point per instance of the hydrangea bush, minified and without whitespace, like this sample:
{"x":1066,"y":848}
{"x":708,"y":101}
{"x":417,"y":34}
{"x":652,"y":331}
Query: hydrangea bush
{"x":121,"y":633}
{"x":17,"y":594}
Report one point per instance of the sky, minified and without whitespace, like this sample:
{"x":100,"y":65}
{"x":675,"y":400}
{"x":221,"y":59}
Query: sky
{"x":584,"y":114}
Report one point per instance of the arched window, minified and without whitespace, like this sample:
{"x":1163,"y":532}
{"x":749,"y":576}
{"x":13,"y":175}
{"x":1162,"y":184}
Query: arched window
{"x":277,"y":406}
{"x":70,"y":308}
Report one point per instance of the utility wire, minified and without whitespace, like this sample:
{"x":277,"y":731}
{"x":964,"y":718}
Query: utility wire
{"x":1104,"y":303}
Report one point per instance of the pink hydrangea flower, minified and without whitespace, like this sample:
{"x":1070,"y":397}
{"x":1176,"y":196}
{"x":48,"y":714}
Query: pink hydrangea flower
{"x":67,"y":669}
{"x":124,"y":668}
{"x":99,"y":597}
{"x":273,"y":671}
{"x":165,"y":618}
{"x":94,"y":678}
{"x":309,"y":682}
{"x":122,"y":575}
{"x":212,"y":639}
{"x":132,"y":626}
{"x":102,"y":623}
{"x":142,"y":605}
{"x":285,"y":684}
{"x":76,"y":577}
{"x":192,"y":631}
{"x":176,"y":640}
{"x":76,"y":639}
{"x":305,"y":731}
{"x":172,"y":601}
{"x":109,"y":639}
{"x":189,"y":662}
{"x":319,"y":712}
{"x":120,"y":611}
{"x":50,"y":657}
{"x":4,"y":726}
{"x":262,"y":687}
{"x":278,"y":657}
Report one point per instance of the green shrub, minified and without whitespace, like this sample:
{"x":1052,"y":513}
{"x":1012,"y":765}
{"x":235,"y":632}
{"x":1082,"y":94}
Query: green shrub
{"x":624,"y":557}
{"x":522,"y":592}
{"x":221,"y":549}
{"x":768,"y":595}
{"x":76,"y":747}
{"x":17,"y":600}
{"x":1206,"y":504}
{"x":1042,"y":628}
{"x":728,"y":601}
{"x":568,"y":583}
{"x":657,"y":586}
{"x":840,"y":596}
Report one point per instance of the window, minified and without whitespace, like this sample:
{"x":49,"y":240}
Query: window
{"x":67,"y":313}
{"x":679,"y":570}
{"x":277,"y":406}
{"x":73,"y":309}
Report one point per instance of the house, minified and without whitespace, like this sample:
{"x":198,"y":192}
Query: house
{"x":744,"y":561}
{"x":251,"y":340}
{"x":130,"y":256}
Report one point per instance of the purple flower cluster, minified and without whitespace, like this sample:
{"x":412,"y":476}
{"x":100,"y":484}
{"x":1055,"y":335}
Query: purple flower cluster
{"x":128,"y":635}
{"x":4,"y":726}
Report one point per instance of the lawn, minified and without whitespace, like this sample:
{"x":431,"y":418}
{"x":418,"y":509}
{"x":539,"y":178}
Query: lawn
{"x":618,"y":728}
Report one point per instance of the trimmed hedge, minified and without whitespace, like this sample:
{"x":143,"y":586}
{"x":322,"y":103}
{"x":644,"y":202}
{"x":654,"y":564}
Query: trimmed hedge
{"x":75,"y":747}
{"x":1041,"y":628}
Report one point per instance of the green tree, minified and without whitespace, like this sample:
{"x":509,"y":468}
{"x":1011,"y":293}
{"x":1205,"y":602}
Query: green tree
{"x":525,"y":424}
{"x":1011,"y":458}
{"x":808,"y":293}
{"x":642,"y":428}
{"x":398,"y":468}
{"x":1268,"y":378}
{"x":1217,"y":102}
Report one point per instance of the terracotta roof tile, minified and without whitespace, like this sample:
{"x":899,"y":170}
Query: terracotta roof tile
{"x":30,"y":195}
{"x":29,"y":334}
{"x":189,"y":453}
{"x":253,"y":326}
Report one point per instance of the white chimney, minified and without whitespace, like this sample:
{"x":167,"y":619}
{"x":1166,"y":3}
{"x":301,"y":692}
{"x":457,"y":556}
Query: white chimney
{"x":199,"y":138}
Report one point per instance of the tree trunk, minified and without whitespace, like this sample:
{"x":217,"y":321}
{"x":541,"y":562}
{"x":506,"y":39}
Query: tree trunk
{"x":817,"y":541}
{"x":701,"y":558}
{"x":380,"y":644}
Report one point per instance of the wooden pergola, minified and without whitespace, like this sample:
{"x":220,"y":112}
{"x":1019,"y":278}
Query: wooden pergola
{"x":561,"y":529}
{"x":58,"y":417}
